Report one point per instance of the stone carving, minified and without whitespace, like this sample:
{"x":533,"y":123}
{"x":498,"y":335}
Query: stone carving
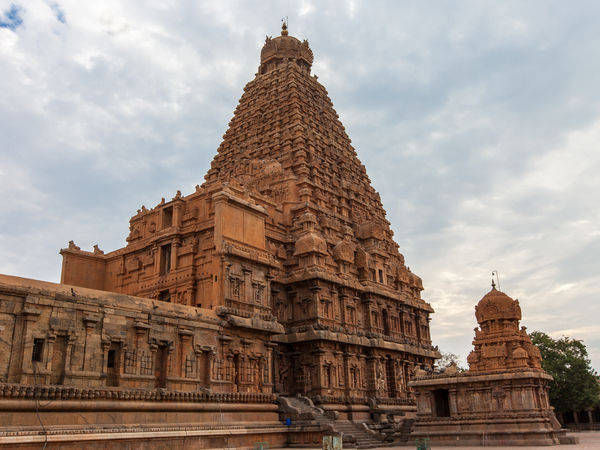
{"x":286,"y":224}
{"x":499,"y":343}
{"x":505,"y":387}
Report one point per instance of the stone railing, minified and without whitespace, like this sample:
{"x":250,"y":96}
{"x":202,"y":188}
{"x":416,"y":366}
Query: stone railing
{"x":54,"y":392}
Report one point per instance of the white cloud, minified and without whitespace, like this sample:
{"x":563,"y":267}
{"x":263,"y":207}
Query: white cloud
{"x":479,"y":125}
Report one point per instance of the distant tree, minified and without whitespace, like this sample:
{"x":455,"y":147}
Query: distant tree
{"x":575,"y":386}
{"x":446,"y":360}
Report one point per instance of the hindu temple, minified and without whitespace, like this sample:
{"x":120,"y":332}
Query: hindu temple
{"x":273,"y":290}
{"x":502,"y":399}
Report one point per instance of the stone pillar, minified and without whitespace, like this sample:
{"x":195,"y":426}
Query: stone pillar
{"x":346,"y":374}
{"x":401,"y":318}
{"x":174,"y":251}
{"x":30,"y":316}
{"x":246,"y":293}
{"x":210,"y":357}
{"x":371,"y":381}
{"x":88,"y":353}
{"x":156,"y":256}
{"x":368,"y":320}
{"x":363,"y":372}
{"x":453,"y":402}
{"x":105,"y":348}
{"x":50,"y":351}
{"x":418,"y":325}
{"x":343,"y":298}
{"x":177,"y":207}
{"x":267,"y":300}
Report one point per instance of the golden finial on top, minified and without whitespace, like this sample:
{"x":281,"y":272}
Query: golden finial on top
{"x":284,"y":31}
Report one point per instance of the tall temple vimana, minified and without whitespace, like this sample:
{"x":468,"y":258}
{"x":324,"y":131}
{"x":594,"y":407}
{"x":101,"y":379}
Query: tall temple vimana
{"x":271,"y":305}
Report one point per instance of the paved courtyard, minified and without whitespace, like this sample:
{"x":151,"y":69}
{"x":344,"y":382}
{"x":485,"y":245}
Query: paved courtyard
{"x":587,"y":440}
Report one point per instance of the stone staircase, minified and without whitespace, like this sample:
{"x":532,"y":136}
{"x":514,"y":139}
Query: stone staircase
{"x":354,"y":435}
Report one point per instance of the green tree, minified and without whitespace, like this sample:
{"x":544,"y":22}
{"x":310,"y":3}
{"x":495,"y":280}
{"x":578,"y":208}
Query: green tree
{"x":575,"y":386}
{"x":446,"y":360}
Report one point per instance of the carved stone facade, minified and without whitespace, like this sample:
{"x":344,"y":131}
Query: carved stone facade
{"x":279,"y":274}
{"x":286,"y":229}
{"x":502,"y":399}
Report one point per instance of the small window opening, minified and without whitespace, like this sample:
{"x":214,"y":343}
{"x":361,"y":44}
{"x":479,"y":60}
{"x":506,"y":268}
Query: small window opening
{"x":38,"y":350}
{"x":165,"y":259}
{"x":167,"y":217}
{"x":164,"y":296}
{"x":380,"y":276}
{"x":110,"y":361}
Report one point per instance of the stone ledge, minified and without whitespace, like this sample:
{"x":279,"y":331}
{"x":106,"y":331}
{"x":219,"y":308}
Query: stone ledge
{"x":22,"y":392}
{"x":325,"y":335}
{"x":150,"y":433}
{"x":473,"y":378}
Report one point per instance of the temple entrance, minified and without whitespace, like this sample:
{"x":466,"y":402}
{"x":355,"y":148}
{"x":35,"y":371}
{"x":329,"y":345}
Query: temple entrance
{"x":442,"y":403}
{"x":113,"y":364}
{"x":160,"y":366}
{"x":390,"y":378}
{"x":59,"y":354}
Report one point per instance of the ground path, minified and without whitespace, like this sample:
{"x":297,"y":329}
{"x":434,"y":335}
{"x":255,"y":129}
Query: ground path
{"x":587,"y":440}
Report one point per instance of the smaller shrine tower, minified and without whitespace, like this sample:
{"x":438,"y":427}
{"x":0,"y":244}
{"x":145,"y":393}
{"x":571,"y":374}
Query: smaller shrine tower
{"x":502,"y":399}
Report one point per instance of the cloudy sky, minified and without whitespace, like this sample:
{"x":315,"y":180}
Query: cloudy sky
{"x":478,"y":122}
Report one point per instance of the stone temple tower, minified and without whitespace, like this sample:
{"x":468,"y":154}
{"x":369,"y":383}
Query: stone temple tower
{"x":286,"y":230}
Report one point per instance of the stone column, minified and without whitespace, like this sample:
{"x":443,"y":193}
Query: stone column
{"x":418,"y":325}
{"x":401,"y":318}
{"x":89,"y":323}
{"x":346,"y":367}
{"x":177,"y":214}
{"x":371,"y":379}
{"x":174,"y":251}
{"x":368,"y":321}
{"x":105,"y":348}
{"x":343,"y":298}
{"x":210,"y":357}
{"x":156,"y":256}
{"x":453,"y":403}
{"x":246,"y":293}
{"x":29,"y":317}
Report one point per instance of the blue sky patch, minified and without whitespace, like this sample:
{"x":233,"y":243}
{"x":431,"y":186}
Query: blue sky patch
{"x":60,"y":14}
{"x":11,"y":19}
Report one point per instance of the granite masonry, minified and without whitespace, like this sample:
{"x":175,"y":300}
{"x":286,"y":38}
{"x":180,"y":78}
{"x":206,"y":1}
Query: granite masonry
{"x":502,"y":399}
{"x":278,"y":277}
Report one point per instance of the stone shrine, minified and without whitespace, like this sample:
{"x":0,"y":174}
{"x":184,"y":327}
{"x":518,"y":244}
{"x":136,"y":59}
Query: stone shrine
{"x":278,"y":276}
{"x":502,"y":399}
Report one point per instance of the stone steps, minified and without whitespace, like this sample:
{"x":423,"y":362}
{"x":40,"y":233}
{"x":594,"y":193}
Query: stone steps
{"x":362,"y":439}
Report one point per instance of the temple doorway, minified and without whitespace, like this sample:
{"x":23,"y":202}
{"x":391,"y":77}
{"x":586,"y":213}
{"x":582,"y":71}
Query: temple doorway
{"x":160,"y":366}
{"x":112,"y":364}
{"x":442,"y":403}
